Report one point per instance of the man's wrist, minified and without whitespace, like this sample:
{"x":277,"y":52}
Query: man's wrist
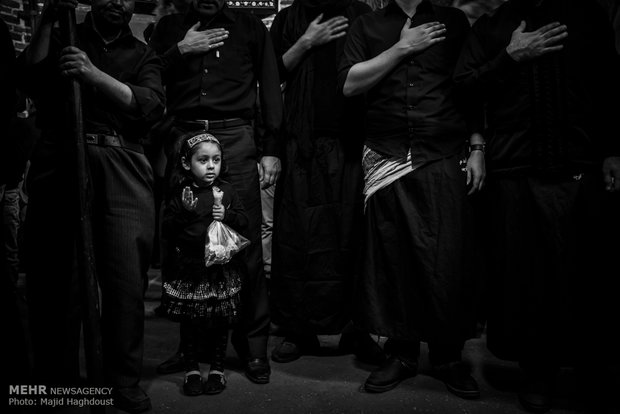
{"x":182,"y":48}
{"x":402,"y":49}
{"x":305,"y":43}
{"x":477,"y":147}
{"x":513,"y":54}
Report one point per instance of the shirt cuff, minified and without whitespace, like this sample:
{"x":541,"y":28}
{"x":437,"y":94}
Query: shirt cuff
{"x":271,"y":148}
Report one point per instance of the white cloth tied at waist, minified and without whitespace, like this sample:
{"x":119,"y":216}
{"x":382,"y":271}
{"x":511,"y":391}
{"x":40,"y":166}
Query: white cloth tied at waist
{"x":381,"y":171}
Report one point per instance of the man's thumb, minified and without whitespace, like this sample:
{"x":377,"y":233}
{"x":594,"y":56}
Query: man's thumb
{"x":521,"y":27}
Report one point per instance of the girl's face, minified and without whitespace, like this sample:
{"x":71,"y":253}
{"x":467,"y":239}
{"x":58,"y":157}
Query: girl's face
{"x":205,"y":164}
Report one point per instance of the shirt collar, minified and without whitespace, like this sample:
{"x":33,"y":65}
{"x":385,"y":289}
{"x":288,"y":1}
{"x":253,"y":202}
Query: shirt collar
{"x":226,"y":13}
{"x":425,"y":6}
{"x":90,"y":25}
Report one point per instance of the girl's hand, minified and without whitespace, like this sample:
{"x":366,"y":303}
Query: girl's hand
{"x":218,"y":212}
{"x":189,"y":202}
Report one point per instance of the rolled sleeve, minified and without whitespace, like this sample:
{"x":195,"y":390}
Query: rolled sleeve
{"x":148,"y":91}
{"x":355,"y":51}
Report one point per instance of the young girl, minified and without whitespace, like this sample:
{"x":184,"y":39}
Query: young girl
{"x":198,"y":296}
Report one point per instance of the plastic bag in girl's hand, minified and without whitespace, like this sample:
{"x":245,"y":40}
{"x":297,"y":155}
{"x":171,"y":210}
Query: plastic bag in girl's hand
{"x":222,"y":243}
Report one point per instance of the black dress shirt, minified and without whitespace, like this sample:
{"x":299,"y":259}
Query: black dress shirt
{"x":543,"y":122}
{"x":414,"y":106}
{"x":126,"y":59}
{"x":222,"y":83}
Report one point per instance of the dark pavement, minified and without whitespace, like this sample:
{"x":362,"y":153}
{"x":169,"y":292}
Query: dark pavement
{"x":330,"y":383}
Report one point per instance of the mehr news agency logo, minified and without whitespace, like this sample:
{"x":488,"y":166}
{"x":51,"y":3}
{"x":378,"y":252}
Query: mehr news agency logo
{"x":44,"y":396}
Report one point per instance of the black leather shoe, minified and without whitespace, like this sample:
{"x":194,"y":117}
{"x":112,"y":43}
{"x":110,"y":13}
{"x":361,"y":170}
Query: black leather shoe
{"x":258,"y":370}
{"x":174,"y":364}
{"x":131,"y":399}
{"x":363,"y":347}
{"x":193,"y":384}
{"x":458,"y":380}
{"x":535,"y":396}
{"x":391,"y":373}
{"x":291,"y":348}
{"x":286,"y":351}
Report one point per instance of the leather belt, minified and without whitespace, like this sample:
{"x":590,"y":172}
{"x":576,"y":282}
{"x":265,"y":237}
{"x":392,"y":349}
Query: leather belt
{"x":208,"y":125}
{"x":112,"y":141}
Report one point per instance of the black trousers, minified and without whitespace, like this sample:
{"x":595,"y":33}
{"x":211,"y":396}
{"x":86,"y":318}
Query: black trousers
{"x":553,"y":262}
{"x":417,"y":281}
{"x":251,"y":335}
{"x":123,"y":220}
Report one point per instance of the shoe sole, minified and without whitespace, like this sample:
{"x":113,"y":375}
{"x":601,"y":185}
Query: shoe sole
{"x":467,"y":395}
{"x":257,"y":380}
{"x":376,"y":389}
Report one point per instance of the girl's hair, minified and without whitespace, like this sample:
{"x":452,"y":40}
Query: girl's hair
{"x":189,"y":145}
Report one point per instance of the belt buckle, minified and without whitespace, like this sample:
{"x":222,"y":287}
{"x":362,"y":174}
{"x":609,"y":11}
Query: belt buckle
{"x":206,"y":124}
{"x":91,"y":138}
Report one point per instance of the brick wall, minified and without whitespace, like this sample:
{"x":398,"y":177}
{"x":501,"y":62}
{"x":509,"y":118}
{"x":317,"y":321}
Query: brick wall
{"x":17,"y":15}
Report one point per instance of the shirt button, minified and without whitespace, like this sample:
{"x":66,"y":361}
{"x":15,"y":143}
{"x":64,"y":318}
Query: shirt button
{"x":411,"y":62}
{"x":203,"y":93}
{"x":206,"y":70}
{"x":410,"y":84}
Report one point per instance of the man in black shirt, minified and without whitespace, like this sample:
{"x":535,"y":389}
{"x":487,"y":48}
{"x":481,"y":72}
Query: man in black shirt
{"x":415,"y":279}
{"x":214,"y":57}
{"x":547,"y":74}
{"x":122,"y":97}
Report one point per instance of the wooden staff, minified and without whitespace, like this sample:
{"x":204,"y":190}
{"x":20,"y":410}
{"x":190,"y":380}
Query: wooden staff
{"x":89,"y":289}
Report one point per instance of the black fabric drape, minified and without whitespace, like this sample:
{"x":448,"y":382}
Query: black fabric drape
{"x":299,"y":114}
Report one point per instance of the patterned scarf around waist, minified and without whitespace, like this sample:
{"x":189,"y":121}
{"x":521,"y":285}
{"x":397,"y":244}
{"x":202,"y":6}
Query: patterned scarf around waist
{"x":381,"y":171}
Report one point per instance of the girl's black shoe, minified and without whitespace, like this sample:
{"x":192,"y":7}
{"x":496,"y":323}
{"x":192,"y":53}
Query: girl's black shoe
{"x":215,"y":384}
{"x":193,"y":383}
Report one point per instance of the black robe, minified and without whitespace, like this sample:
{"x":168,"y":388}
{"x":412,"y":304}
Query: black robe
{"x":318,"y":214}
